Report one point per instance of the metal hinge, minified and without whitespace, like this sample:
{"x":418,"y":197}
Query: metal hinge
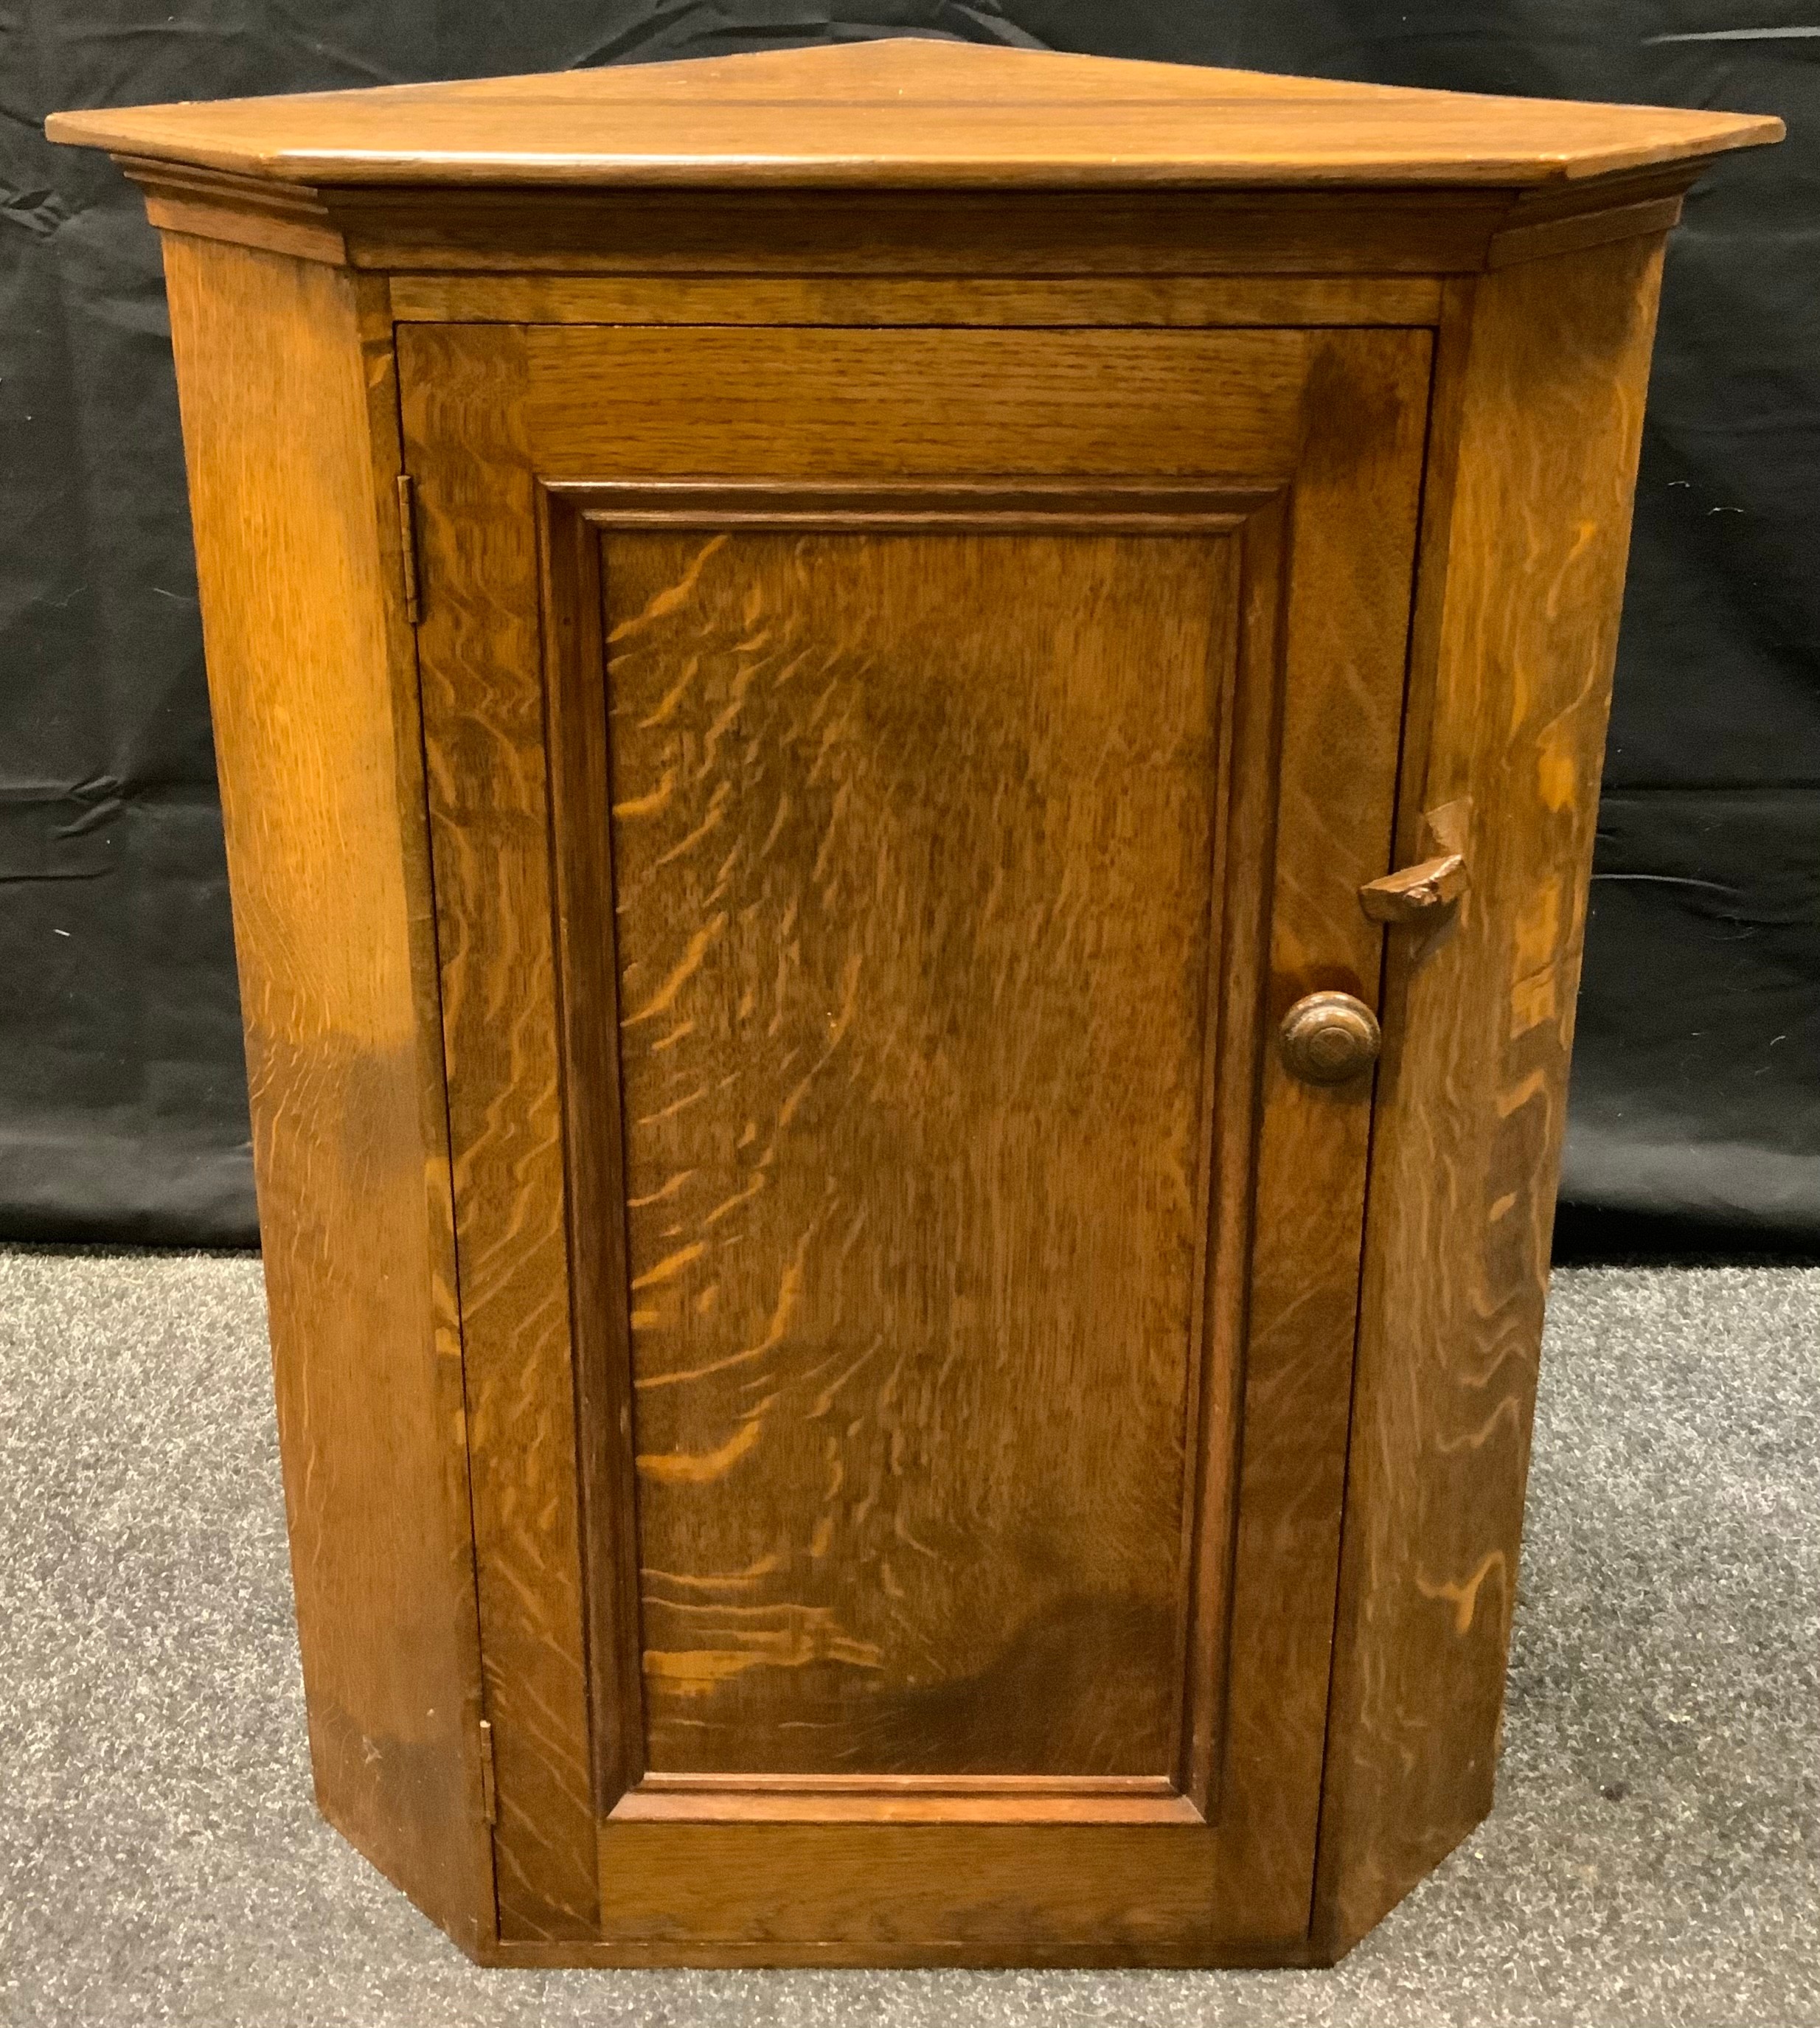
{"x":489,"y":1780}
{"x":408,"y":547}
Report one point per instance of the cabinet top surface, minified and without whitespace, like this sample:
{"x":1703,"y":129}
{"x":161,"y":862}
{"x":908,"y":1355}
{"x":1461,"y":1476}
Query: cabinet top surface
{"x":908,"y":112}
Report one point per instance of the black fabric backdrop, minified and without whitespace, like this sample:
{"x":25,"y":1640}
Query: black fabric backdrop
{"x":1696,"y":1101}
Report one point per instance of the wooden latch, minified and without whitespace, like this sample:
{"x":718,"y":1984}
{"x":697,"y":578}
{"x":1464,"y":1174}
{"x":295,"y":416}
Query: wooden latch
{"x":1424,"y":893}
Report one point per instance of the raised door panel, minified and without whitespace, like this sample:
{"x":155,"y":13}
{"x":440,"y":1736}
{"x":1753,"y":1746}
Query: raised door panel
{"x":908,"y":1306}
{"x":912,"y":847}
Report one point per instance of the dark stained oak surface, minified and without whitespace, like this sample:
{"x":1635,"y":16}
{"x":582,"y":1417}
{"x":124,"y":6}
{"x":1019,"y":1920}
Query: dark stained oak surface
{"x":1544,"y":413}
{"x":913,"y":926}
{"x":313,"y":695}
{"x":763,"y":403}
{"x":483,"y":733}
{"x":1157,"y":301}
{"x":929,"y":1136}
{"x":905,"y":112}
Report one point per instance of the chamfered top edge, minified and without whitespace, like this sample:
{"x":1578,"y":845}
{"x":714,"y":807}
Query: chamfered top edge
{"x":907,"y":113}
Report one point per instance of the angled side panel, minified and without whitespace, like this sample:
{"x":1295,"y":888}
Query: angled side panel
{"x":290,"y":433}
{"x":1538,"y":417}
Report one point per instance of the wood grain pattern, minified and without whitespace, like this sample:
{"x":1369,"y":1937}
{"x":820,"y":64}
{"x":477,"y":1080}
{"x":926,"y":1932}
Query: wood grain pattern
{"x":1158,"y":404}
{"x":692,"y":584}
{"x":246,"y":211}
{"x":1266,"y":302}
{"x":1345,"y":650}
{"x":1253,"y":241}
{"x":910,"y":111}
{"x":720,"y":1798}
{"x":913,"y":913}
{"x":1543,"y":375}
{"x":480,"y":651}
{"x":584,"y":961}
{"x":1101,"y":1949}
{"x":286,"y":366}
{"x":935,"y":232}
{"x":898,"y":1893}
{"x":1525,"y":239}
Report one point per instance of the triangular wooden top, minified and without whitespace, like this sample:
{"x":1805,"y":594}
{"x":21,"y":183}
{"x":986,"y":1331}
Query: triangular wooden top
{"x":910,"y":112}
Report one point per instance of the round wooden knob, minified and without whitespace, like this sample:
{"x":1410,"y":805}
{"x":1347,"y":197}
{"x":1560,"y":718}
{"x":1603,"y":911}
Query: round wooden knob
{"x":1330,"y":1038}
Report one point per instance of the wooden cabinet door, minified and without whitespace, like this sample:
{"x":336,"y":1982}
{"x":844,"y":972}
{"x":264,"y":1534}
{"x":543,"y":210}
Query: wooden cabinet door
{"x":887,"y":787}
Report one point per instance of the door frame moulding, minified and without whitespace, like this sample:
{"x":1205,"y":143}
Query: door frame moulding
{"x":571,"y":516}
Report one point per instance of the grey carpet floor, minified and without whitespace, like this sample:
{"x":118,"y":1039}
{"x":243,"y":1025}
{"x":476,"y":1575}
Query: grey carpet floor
{"x":1654,"y":1858}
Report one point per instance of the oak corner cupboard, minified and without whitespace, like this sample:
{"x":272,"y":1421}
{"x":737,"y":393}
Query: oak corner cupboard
{"x":909,"y":736}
